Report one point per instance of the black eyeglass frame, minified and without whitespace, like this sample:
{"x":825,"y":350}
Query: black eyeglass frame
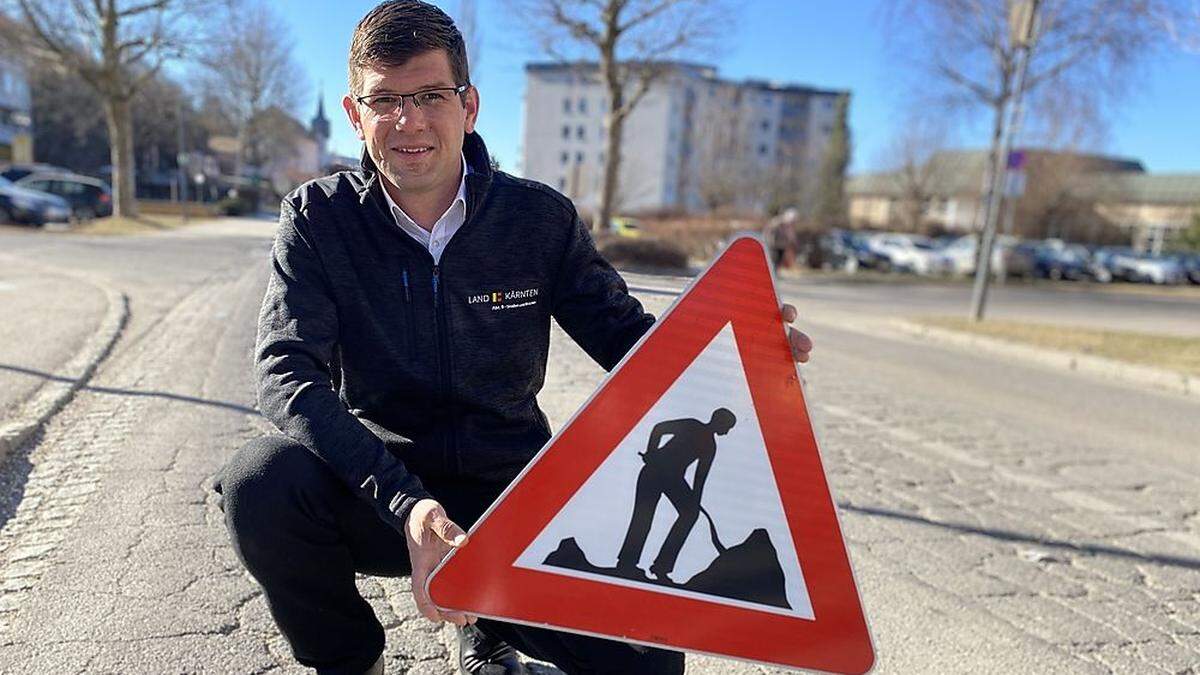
{"x":459,"y":91}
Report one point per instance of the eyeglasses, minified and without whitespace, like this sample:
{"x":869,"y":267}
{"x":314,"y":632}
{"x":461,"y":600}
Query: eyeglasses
{"x":430,"y":100}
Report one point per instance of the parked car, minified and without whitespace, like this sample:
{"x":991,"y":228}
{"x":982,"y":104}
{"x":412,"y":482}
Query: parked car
{"x":1153,"y":269}
{"x":624,"y":227}
{"x":837,"y":251}
{"x":903,"y":253}
{"x":957,"y":257}
{"x":1020,"y":258}
{"x":24,"y":206}
{"x":1057,"y":260}
{"x":89,"y":197}
{"x":1190,"y":262}
{"x":1129,"y":265}
{"x":16,"y":172}
{"x":1116,"y":259}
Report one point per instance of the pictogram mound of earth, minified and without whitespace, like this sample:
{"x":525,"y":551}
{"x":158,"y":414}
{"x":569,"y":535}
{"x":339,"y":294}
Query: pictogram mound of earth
{"x":749,"y":571}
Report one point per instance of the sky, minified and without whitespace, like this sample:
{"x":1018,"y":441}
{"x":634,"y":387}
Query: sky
{"x":822,"y":43}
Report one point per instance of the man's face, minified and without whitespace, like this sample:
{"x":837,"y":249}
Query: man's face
{"x":419,"y":150}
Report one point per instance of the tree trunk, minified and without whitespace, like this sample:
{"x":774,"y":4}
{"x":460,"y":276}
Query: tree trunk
{"x":119,"y":118}
{"x":614,"y":127}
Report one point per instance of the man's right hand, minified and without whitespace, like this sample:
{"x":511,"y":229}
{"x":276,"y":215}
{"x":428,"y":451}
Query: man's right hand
{"x":430,"y":535}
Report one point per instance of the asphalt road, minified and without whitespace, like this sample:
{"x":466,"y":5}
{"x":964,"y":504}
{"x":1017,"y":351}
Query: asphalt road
{"x":1139,"y":308}
{"x":45,"y":319}
{"x":1000,"y":517}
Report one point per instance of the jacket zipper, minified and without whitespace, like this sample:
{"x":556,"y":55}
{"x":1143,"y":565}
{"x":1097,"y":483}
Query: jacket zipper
{"x":449,"y":448}
{"x":412,"y":316}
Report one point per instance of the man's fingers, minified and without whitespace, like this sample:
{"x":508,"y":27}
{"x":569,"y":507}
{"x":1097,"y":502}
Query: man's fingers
{"x":801,"y":345}
{"x":448,"y":532}
{"x":424,"y":604}
{"x":789,"y":313}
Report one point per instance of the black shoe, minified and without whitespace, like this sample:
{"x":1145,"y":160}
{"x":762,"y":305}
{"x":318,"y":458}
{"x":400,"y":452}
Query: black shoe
{"x":660,"y":575}
{"x":480,"y":654}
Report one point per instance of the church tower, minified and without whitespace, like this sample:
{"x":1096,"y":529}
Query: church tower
{"x":319,"y":130}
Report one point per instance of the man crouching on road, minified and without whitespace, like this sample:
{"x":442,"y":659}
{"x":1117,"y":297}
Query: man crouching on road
{"x":406,"y":404}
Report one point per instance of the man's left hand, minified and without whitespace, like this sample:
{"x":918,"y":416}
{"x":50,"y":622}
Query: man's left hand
{"x":801,"y":343}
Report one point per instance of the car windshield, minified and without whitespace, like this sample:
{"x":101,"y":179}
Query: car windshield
{"x":4,"y":182}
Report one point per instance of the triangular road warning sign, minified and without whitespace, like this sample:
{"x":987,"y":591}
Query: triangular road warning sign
{"x":685,"y":504}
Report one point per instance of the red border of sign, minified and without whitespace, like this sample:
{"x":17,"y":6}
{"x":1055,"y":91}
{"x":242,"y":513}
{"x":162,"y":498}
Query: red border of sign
{"x":480,"y":578}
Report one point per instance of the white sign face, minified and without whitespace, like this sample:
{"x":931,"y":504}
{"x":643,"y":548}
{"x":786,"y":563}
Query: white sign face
{"x":635,"y":521}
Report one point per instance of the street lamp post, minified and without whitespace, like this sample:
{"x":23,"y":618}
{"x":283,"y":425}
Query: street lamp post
{"x":1022,"y":25}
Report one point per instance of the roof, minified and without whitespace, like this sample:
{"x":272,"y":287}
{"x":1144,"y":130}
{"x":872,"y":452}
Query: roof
{"x":1112,"y":179}
{"x":1180,"y":188}
{"x":701,"y":70}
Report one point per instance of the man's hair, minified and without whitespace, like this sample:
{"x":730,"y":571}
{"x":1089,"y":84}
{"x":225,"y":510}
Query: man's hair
{"x":397,"y":30}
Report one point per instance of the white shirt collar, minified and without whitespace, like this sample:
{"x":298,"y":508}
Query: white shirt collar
{"x":436,"y":238}
{"x":402,"y":217}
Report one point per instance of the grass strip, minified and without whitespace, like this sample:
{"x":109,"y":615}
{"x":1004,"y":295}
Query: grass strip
{"x":1180,"y":354}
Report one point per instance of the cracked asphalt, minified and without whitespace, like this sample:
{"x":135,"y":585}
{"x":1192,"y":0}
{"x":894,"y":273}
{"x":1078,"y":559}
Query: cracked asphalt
{"x":1000,"y":517}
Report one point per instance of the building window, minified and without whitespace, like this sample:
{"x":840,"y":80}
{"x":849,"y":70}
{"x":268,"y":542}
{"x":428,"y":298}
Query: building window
{"x":562,"y":184}
{"x":583,"y":106}
{"x":766,"y":125}
{"x":600,"y":157}
{"x":826,"y":129}
{"x":579,"y":132}
{"x":565,"y":157}
{"x":566,"y":131}
{"x":579,"y":158}
{"x":762,"y":150}
{"x":567,"y":105}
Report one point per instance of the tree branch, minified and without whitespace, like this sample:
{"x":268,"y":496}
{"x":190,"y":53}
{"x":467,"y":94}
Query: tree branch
{"x":143,"y":8}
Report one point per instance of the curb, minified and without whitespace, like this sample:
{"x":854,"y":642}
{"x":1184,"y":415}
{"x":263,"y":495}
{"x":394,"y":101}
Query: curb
{"x":55,"y":394}
{"x":1176,"y":382}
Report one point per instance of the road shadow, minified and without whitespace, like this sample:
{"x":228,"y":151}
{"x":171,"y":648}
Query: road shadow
{"x":14,"y":475}
{"x":1024,"y":538}
{"x":224,"y":405}
{"x":16,"y":467}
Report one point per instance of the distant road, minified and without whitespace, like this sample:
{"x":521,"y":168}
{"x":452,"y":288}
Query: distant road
{"x":1135,"y":309}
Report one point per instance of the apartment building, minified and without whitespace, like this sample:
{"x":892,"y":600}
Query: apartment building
{"x":695,"y":142}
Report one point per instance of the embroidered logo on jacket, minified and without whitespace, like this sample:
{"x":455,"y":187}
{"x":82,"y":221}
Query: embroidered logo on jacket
{"x":500,"y":300}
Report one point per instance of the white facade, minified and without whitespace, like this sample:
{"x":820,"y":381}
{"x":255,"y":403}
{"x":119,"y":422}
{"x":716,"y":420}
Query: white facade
{"x":693,"y":142}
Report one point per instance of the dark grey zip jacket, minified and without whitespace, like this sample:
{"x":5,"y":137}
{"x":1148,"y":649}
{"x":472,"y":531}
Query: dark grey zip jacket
{"x":389,"y":367}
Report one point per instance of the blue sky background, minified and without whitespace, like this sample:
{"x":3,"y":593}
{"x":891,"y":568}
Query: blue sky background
{"x":839,"y":45}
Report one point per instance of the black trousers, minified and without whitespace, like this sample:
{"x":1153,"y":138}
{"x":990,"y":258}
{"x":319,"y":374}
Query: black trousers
{"x":303,"y":535}
{"x":653,"y":483}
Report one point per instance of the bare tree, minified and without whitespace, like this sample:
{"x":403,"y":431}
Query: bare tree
{"x":629,"y":39}
{"x":910,"y":157}
{"x":1182,"y":24}
{"x":1083,"y":51}
{"x":726,"y":173}
{"x":116,"y":46}
{"x":251,"y":70}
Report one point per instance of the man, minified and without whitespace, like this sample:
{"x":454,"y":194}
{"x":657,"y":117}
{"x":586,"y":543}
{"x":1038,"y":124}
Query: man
{"x":397,"y":367}
{"x":691,"y":442}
